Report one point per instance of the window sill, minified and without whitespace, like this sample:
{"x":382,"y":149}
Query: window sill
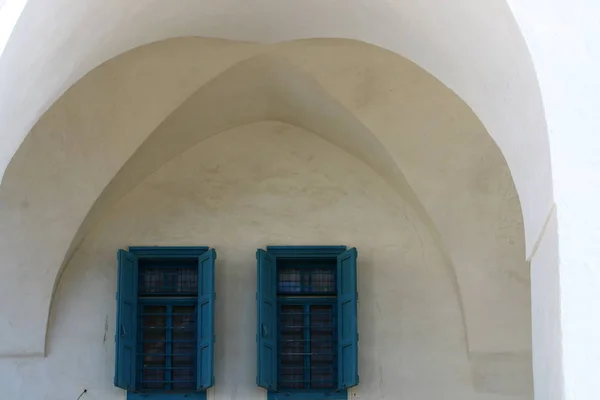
{"x":166,"y":396}
{"x":342,"y":395}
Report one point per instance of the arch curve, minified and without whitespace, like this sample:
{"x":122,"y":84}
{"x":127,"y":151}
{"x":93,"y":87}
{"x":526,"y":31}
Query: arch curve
{"x":288,"y":82}
{"x":490,"y":69}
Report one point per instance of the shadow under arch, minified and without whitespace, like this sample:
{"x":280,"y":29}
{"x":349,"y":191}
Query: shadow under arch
{"x":276,"y":88}
{"x":256,"y":90}
{"x":480,"y":55}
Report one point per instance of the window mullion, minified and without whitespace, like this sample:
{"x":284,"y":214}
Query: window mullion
{"x":169,"y":346}
{"x":334,"y":341}
{"x":279,"y":344}
{"x":307,"y":346}
{"x":140,"y":348}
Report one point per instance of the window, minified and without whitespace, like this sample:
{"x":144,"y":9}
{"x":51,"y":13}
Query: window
{"x":165,"y":322}
{"x":307,"y":322}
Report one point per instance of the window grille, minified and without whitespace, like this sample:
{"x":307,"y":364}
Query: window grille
{"x":307,"y":346}
{"x":304,"y":294}
{"x":164,"y":342}
{"x":167,"y":339}
{"x":158,"y":278}
{"x":306,"y":279}
{"x":166,"y":347}
{"x":307,"y":330}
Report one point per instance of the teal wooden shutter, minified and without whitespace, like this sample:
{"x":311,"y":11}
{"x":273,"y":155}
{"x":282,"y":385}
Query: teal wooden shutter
{"x":206,"y":320}
{"x":266,"y":338}
{"x":347,"y":301}
{"x":126,"y":335}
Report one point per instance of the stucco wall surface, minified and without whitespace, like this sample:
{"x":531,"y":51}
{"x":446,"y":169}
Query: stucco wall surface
{"x":474,"y":47}
{"x":130,"y":116}
{"x":271,"y":183}
{"x":563,"y":40}
{"x":75,"y":161}
{"x":546,"y":312}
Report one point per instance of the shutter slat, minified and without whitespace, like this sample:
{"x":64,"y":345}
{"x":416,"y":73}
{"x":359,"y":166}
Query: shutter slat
{"x":206,"y":312}
{"x":347,"y":302}
{"x":266,"y":336}
{"x":125,"y":346}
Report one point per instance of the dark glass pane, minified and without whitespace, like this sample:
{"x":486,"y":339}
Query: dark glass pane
{"x":292,"y":352}
{"x":183,"y":359}
{"x":290,"y":280}
{"x":168,"y":278}
{"x":323,"y":371}
{"x":322,"y":280}
{"x":306,"y":280}
{"x":154,"y":323}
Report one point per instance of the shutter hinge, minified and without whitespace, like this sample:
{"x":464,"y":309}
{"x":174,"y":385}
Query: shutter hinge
{"x":214,"y":338}
{"x":357,"y":337}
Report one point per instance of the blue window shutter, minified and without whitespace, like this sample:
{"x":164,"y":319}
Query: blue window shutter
{"x":266,"y":338}
{"x":206,"y":320}
{"x":126,"y":335}
{"x":347,"y":301}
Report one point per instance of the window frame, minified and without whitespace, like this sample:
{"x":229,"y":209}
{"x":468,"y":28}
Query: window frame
{"x":308,"y":302}
{"x":310,"y":252}
{"x":167,"y":303}
{"x":166,"y":252}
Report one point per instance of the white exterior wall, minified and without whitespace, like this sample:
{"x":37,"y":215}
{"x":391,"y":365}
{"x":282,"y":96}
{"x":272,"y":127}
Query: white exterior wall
{"x":475,"y":48}
{"x":563,"y":40}
{"x":133,"y":114}
{"x":262,"y":184}
{"x":545,"y":313}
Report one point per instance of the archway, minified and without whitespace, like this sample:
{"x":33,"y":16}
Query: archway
{"x":489,"y":68}
{"x":359,"y":102}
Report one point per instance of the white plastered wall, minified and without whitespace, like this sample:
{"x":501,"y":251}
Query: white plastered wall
{"x":424,"y":142}
{"x":418,"y":127}
{"x":474,"y":48}
{"x":563,"y":40}
{"x":493,"y":73}
{"x":270,"y":183}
